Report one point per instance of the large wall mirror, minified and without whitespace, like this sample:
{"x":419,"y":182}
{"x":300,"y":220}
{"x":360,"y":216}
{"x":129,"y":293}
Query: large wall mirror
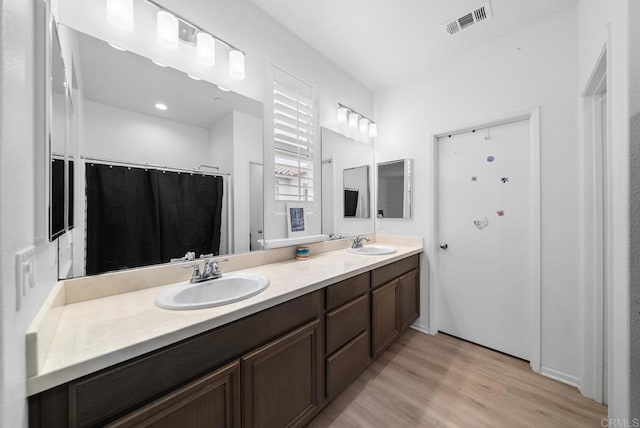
{"x":395,"y":188}
{"x":347,"y":167}
{"x":158,"y":163}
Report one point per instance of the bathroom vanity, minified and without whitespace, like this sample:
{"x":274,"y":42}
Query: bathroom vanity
{"x":277,"y":366}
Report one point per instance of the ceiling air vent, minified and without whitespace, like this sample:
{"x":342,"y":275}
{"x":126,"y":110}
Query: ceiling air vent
{"x":468,"y":19}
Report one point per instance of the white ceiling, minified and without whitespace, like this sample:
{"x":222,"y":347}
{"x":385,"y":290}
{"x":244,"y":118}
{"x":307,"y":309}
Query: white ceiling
{"x":129,"y":81}
{"x":382,"y":42}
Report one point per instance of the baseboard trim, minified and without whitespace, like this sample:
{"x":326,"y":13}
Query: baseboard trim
{"x":421,"y":329}
{"x":561,"y":377}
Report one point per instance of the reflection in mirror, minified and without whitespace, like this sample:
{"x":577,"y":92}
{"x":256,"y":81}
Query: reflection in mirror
{"x":165,"y":164}
{"x":57,"y":139}
{"x":356,"y":192}
{"x":346,"y":166}
{"x":394,"y":189}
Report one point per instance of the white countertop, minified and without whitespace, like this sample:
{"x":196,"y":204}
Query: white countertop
{"x":94,"y":334}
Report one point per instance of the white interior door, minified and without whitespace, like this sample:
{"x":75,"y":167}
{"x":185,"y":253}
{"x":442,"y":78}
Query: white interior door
{"x":256,"y":205}
{"x":486,"y":229}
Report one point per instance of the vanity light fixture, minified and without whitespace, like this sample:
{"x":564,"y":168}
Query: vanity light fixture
{"x":193,"y":77}
{"x":223,"y":89}
{"x":354,"y":120}
{"x":206,"y":49}
{"x":167,"y":30}
{"x":120,"y":14}
{"x":172,"y":28}
{"x":116,"y":47}
{"x":161,"y":106}
{"x":236,"y":64}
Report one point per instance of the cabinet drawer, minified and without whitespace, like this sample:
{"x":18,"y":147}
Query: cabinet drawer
{"x":346,"y":322}
{"x":347,"y":290}
{"x":346,"y":364}
{"x":390,"y":272}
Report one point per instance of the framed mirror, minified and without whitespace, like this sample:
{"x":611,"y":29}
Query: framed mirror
{"x":346,"y":184}
{"x":394,"y":189}
{"x":161,"y":164}
{"x":57,"y":139}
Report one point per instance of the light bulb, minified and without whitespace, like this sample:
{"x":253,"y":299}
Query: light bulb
{"x":167,"y":30}
{"x":120,"y":14}
{"x":373,"y":130}
{"x":161,"y":106}
{"x":206,"y":49}
{"x":353,"y":120}
{"x":236,"y":65}
{"x":341,"y":115}
{"x":364,"y":125}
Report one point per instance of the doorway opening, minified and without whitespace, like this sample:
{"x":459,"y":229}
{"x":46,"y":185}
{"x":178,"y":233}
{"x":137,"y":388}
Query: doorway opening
{"x":596,"y":230}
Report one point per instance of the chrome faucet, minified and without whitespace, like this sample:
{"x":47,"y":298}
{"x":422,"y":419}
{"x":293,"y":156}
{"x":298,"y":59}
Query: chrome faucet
{"x":358,"y":242}
{"x":211,"y":269}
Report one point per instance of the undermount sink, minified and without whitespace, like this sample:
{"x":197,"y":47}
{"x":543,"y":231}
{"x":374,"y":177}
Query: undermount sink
{"x":373,"y":250}
{"x":216,"y":292}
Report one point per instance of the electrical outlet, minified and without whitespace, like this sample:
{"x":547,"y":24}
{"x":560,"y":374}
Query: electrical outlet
{"x":25,"y":273}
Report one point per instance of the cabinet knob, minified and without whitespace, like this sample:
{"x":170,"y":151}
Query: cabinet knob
{"x":444,"y":245}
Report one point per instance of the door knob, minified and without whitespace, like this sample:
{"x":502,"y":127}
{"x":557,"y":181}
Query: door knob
{"x":444,"y":245}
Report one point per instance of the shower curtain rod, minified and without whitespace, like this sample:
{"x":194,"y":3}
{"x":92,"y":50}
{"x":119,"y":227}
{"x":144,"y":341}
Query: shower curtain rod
{"x":158,"y":167}
{"x":352,"y":188}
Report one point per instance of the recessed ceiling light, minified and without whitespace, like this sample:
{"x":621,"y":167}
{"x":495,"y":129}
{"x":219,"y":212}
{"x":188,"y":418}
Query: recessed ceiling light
{"x":193,"y":77}
{"x":158,"y":63}
{"x":116,"y":47}
{"x":217,"y":99}
{"x":223,"y":89}
{"x":161,"y":106}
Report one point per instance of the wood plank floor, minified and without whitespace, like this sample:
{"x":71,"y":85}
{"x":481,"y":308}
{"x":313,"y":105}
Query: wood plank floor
{"x":441,"y":381}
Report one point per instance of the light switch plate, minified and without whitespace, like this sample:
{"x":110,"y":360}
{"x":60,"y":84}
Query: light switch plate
{"x":25,"y":273}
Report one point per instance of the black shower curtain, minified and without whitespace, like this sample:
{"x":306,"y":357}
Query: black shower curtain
{"x":350,"y":202}
{"x":137,"y":217}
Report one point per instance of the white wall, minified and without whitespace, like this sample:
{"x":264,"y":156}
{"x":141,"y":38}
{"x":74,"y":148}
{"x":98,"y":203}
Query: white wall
{"x":19,"y":143}
{"x":598,"y":21}
{"x":492,"y":81}
{"x":634,"y":83}
{"x":114,"y":133}
{"x":247,"y":147}
{"x":221,"y":155}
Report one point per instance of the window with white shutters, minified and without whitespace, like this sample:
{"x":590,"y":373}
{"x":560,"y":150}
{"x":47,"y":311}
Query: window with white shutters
{"x":293,"y":137}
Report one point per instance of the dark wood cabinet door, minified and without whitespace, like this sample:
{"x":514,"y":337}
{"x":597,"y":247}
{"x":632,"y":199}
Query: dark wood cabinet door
{"x":409,"y":298}
{"x":385,"y":317}
{"x":211,"y":401}
{"x":282,"y":381}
